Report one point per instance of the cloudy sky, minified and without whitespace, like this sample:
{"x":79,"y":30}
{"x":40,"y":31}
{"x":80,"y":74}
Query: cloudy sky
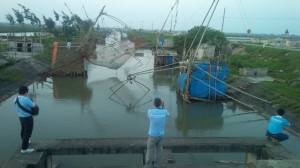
{"x":261,"y":16}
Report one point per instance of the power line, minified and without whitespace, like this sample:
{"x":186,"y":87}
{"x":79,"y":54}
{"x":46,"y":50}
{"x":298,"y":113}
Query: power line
{"x":244,"y":14}
{"x":242,"y":18}
{"x":288,"y":18}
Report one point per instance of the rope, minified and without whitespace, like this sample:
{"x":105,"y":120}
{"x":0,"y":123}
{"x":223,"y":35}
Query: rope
{"x":158,"y":34}
{"x":199,"y":29}
{"x":158,"y":70}
{"x":233,"y":87}
{"x":152,"y":70}
{"x":225,"y":94}
{"x":193,"y":58}
{"x":234,"y":115}
{"x":175,"y":20}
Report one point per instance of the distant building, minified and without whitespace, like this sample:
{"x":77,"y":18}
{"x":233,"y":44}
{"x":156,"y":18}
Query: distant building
{"x":205,"y":51}
{"x":253,"y":72}
{"x":277,"y":42}
{"x":242,"y":40}
{"x":292,"y":44}
{"x":25,"y":46}
{"x":165,"y":57}
{"x":166,"y":43}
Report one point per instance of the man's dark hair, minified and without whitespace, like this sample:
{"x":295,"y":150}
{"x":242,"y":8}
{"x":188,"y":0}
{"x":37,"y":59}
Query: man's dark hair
{"x":23,"y":90}
{"x":280,"y":111}
{"x":157,"y":102}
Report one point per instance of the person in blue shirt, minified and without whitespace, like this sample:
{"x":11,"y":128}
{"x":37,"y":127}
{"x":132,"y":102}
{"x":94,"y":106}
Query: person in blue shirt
{"x":26,"y":119}
{"x":157,"y":118}
{"x":275,"y":126}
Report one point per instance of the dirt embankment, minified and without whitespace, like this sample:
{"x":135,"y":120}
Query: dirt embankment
{"x":29,"y":69}
{"x":265,"y":109}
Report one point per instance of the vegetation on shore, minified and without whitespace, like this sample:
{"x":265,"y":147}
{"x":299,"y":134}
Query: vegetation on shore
{"x":283,"y":66}
{"x":9,"y":75}
{"x":192,"y":38}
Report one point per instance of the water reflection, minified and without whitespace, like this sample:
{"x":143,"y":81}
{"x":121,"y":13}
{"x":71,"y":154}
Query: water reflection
{"x":165,"y":78}
{"x":122,"y":94}
{"x":71,"y":88}
{"x":198,"y":116}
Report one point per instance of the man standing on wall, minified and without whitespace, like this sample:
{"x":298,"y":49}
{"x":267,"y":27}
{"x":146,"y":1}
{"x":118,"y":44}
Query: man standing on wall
{"x":23,"y":105}
{"x":157,"y":117}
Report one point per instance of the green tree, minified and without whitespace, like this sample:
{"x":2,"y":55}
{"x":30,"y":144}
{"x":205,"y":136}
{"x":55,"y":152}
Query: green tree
{"x":31,"y":17}
{"x":10,"y":18}
{"x":74,"y":25}
{"x":19,"y":16}
{"x":211,"y":37}
{"x":26,"y":12}
{"x":50,"y":24}
{"x":67,"y":28}
{"x":56,"y":15}
{"x":35,"y":20}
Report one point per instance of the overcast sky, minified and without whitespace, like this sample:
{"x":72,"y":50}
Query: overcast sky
{"x":261,"y":16}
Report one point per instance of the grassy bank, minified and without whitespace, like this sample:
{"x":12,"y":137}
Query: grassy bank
{"x":283,"y":65}
{"x":9,"y":75}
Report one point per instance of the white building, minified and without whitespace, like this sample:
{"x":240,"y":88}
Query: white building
{"x":25,"y":46}
{"x":205,"y":51}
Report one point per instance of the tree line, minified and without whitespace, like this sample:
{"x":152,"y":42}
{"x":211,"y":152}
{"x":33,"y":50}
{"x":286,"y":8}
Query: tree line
{"x":71,"y":25}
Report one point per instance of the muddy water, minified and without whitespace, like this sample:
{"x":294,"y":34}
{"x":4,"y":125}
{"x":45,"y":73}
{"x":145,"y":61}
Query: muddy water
{"x":85,"y":107}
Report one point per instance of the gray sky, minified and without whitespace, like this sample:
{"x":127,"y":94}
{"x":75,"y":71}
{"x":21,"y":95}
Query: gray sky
{"x":261,"y":16}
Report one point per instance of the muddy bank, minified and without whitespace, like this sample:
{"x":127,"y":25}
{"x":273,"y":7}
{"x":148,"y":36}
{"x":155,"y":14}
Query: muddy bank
{"x":30,"y":69}
{"x":265,"y":109}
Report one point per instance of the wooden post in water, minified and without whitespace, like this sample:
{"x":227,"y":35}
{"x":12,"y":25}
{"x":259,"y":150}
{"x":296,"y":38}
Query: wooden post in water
{"x":250,"y":158}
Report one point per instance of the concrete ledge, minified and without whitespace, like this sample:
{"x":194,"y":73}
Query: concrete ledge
{"x":138,"y":145}
{"x":256,"y":147}
{"x":278,"y":163}
{"x":277,"y":152}
{"x":19,"y":160}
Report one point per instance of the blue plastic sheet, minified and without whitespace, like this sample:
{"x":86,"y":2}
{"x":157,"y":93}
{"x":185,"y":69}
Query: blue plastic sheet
{"x":202,"y":84}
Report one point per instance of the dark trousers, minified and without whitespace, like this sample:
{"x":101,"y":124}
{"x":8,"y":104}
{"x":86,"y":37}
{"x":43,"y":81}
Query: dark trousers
{"x":280,"y":137}
{"x":26,"y":130}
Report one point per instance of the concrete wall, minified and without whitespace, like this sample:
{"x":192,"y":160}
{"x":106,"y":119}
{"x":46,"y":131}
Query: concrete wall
{"x":25,"y":46}
{"x":206,"y":51}
{"x":167,"y":43}
{"x":253,"y":72}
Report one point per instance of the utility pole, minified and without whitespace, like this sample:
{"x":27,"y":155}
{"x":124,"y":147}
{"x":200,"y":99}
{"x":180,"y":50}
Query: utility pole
{"x":223,"y":19}
{"x":152,"y":26}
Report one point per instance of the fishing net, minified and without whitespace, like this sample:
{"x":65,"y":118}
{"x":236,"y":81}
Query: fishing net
{"x":114,"y":53}
{"x":116,"y":48}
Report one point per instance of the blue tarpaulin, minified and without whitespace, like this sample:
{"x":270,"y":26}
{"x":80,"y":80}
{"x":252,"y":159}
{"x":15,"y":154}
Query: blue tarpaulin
{"x":161,"y":42}
{"x":200,"y":81}
{"x":169,"y":60}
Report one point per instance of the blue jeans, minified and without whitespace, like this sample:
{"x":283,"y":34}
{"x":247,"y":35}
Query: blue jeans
{"x":280,"y":136}
{"x":154,"y":151}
